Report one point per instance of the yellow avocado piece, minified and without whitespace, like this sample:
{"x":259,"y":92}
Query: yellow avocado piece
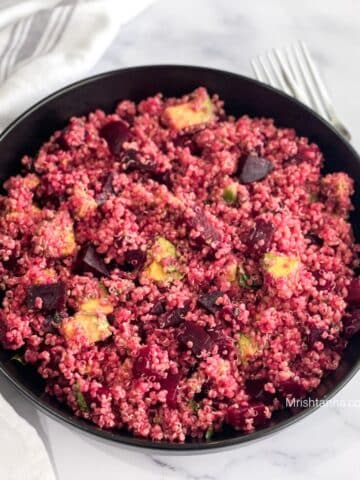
{"x":280,"y":265}
{"x":231,"y":272}
{"x":94,"y":327}
{"x":246,"y":347}
{"x":97,"y":305}
{"x":189,"y":114}
{"x":84,"y":202}
{"x":229,"y":194}
{"x":163,"y":249}
{"x":68,"y":242}
{"x":156,"y":272}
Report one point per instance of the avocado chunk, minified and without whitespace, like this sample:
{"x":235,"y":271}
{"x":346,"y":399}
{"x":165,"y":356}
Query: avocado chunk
{"x":279,"y":266}
{"x":84,"y":204}
{"x":194,"y":112}
{"x":246,"y":348}
{"x":231,"y":271}
{"x":93,"y":326}
{"x":229,"y":194}
{"x":164,"y":261}
{"x":90,"y":320}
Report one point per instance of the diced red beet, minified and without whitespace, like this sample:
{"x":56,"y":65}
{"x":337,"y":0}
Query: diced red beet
{"x":315,"y":335}
{"x":88,"y":260}
{"x":53,"y":296}
{"x":131,"y":160}
{"x":351,"y":323}
{"x":199,"y":222}
{"x":198,"y":336}
{"x":353,"y":297}
{"x":255,"y":388}
{"x":106,"y":191}
{"x":134,"y":260}
{"x":253,"y":168}
{"x":142,"y":364}
{"x":315,"y":239}
{"x":260,"y":417}
{"x":115,"y":133}
{"x":292,"y":388}
{"x":223,"y":342}
{"x":171,"y":383}
{"x":208,"y":301}
{"x":235,"y":416}
{"x":158,"y":309}
{"x":174,"y":318}
{"x":260,"y":237}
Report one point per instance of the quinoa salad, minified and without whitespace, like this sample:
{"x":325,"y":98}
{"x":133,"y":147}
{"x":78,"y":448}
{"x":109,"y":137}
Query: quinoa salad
{"x":172,"y":271}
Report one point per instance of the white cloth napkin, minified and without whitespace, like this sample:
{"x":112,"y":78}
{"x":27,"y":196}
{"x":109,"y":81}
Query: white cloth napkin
{"x":44,"y":45}
{"x":22,"y":453}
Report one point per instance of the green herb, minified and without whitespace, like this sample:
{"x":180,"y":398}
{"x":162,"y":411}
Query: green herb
{"x":80,"y":399}
{"x":209,"y":433}
{"x":194,"y":405}
{"x":57,"y":318}
{"x":18,"y":358}
{"x":313,"y":198}
{"x":244,"y":280}
{"x":229,"y":194}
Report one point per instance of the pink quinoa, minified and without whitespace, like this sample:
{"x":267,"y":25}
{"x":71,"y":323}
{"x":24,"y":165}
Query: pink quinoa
{"x":169,"y":269}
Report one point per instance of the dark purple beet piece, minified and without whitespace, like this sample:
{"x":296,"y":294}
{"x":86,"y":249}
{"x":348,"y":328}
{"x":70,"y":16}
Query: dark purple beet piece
{"x":107,"y":190}
{"x":353,"y":297}
{"x":292,"y":388}
{"x":53,"y":296}
{"x":88,"y":260}
{"x":260,"y":237}
{"x":253,"y":168}
{"x":315,"y":335}
{"x":351,"y":323}
{"x":130,"y":160}
{"x":134,"y":260}
{"x":198,"y":336}
{"x":260,"y":417}
{"x":171,"y":383}
{"x":115,"y":134}
{"x":142,"y":364}
{"x":255,"y":388}
{"x":222,"y":341}
{"x":235,"y":416}
{"x":200,"y":223}
{"x":315,"y":239}
{"x":174,"y":318}
{"x":208,"y":301}
{"x":158,"y":309}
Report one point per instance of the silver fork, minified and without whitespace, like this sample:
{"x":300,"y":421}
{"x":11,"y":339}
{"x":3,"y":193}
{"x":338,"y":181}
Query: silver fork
{"x":293,"y":70}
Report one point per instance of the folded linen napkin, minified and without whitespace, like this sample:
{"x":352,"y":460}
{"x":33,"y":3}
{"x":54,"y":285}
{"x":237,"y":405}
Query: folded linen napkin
{"x":44,"y":45}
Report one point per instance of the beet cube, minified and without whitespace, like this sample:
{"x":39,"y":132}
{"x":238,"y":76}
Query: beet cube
{"x":53,"y":296}
{"x":88,"y":260}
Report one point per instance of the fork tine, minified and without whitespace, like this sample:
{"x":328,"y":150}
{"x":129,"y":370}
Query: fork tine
{"x":320,"y":86}
{"x":268,"y":73}
{"x":308,"y":81}
{"x":258,"y":74}
{"x":295,"y":75}
{"x":275,"y":62}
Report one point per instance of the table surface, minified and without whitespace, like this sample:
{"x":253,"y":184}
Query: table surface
{"x":226,"y":34}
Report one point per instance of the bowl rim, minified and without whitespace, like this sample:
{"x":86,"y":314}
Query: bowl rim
{"x":136,"y":442}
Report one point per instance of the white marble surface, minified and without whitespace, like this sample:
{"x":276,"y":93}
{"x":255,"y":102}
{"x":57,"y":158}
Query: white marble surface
{"x":226,"y":34}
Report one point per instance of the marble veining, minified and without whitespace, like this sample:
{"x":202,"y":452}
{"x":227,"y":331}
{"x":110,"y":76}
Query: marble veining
{"x":226,"y":34}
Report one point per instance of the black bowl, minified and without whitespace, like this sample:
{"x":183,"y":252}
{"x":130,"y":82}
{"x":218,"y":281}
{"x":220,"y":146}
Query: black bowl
{"x":242,"y":96}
